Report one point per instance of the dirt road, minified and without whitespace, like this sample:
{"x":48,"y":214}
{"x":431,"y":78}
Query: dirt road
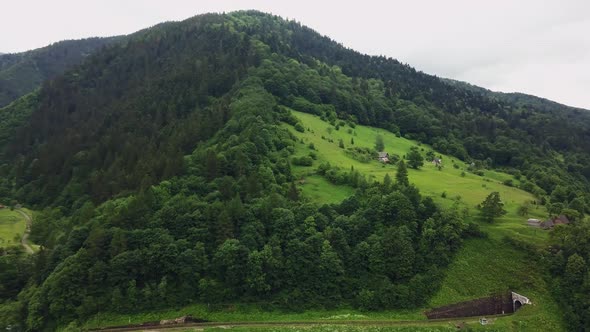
{"x":25,"y":238}
{"x":302,"y":324}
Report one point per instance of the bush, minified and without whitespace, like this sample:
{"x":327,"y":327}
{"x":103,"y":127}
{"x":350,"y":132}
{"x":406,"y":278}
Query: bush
{"x":303,"y":161}
{"x":364,"y":155}
{"x":299,"y":127}
{"x":473,"y":230}
{"x":323,"y":168}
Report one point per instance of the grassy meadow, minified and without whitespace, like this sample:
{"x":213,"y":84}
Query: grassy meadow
{"x":12,"y":227}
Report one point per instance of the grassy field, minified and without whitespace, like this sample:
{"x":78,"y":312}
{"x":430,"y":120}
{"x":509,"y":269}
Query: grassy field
{"x":12,"y":227}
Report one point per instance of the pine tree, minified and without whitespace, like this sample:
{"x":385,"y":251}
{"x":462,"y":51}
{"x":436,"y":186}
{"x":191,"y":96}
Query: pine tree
{"x":293,"y":193}
{"x":387,"y":183}
{"x":401,"y":177}
{"x":379,"y":144}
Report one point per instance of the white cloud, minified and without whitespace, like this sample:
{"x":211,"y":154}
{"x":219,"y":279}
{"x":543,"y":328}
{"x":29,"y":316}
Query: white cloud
{"x":537,"y":47}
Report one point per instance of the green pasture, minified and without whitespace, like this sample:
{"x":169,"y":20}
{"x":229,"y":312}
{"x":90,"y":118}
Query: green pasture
{"x":12,"y":227}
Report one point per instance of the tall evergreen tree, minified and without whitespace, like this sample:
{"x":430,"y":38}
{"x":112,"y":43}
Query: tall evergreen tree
{"x":401,"y":177}
{"x":379,"y":144}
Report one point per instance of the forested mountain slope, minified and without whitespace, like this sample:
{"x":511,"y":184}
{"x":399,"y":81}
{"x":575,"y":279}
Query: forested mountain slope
{"x":21,"y":73}
{"x":164,"y":175}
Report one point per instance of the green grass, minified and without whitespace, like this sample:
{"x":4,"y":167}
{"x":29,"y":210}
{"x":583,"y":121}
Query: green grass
{"x":318,"y":189}
{"x":12,"y":227}
{"x":251,"y":313}
{"x":338,"y":328}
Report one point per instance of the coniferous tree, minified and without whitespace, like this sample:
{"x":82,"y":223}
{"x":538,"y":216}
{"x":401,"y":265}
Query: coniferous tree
{"x":401,"y":177}
{"x":379,"y":144}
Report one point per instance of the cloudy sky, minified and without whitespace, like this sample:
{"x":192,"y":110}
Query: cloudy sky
{"x":533,"y":46}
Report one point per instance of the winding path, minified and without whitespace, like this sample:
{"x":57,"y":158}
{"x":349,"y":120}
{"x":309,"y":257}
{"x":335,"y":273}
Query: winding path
{"x":25,"y":238}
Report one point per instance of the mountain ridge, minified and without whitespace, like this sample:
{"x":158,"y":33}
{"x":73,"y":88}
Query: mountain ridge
{"x":518,"y":98}
{"x":21,"y":73}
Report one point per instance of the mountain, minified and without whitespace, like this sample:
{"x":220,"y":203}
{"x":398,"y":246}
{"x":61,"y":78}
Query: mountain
{"x":166,"y":172}
{"x":21,"y":73}
{"x":517,"y":99}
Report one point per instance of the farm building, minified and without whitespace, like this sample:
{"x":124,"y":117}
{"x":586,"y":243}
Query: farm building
{"x":384,"y":157}
{"x":551,"y":222}
{"x":437,"y":162}
{"x":547,"y":224}
{"x":2,"y":206}
{"x":561,"y":220}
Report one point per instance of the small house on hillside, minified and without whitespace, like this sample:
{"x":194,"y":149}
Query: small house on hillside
{"x":551,"y":222}
{"x":437,"y":162}
{"x":547,"y":224}
{"x":561,"y":220}
{"x":384,"y":157}
{"x":1,"y":206}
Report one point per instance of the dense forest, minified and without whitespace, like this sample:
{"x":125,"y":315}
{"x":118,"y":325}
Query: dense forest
{"x":163,"y":176}
{"x":21,"y":73}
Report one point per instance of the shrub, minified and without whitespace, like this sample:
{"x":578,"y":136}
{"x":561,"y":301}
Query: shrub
{"x":299,"y":127}
{"x":303,"y":161}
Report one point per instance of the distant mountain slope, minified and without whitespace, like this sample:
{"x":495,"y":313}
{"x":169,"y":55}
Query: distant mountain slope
{"x":516,"y":98}
{"x":21,"y":73}
{"x":178,"y":69}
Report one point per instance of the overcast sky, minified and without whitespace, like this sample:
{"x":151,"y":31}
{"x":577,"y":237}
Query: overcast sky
{"x":532,"y":46}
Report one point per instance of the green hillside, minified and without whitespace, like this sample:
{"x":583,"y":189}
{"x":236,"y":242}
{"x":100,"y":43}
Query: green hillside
{"x":471,"y":188}
{"x":482,"y":266}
